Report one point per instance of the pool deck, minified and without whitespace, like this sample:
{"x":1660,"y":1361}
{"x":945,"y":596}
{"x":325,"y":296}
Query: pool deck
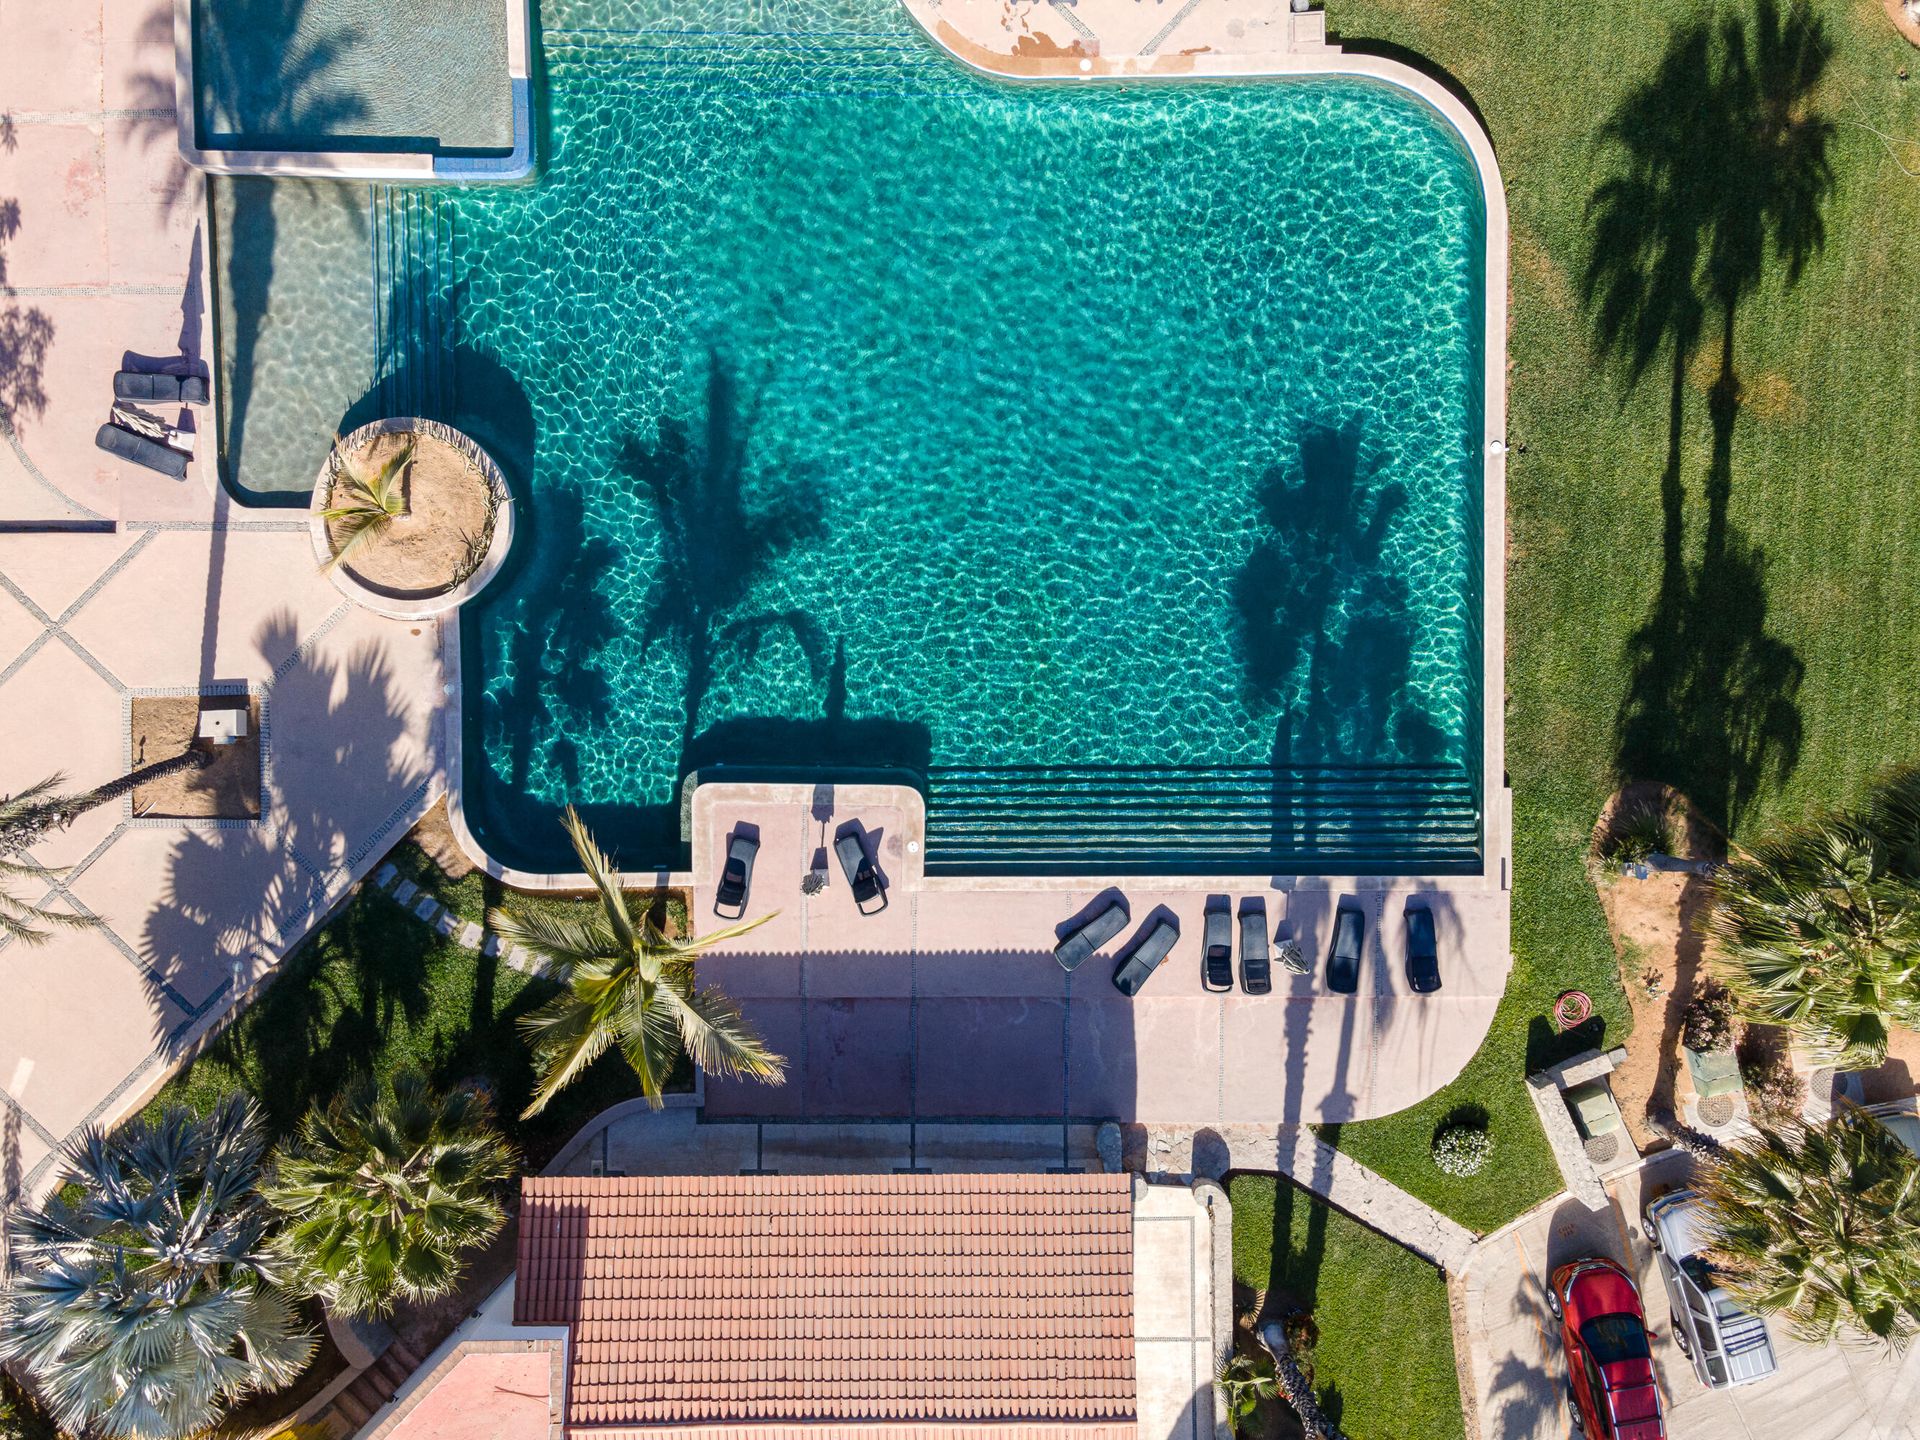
{"x":115,"y":581}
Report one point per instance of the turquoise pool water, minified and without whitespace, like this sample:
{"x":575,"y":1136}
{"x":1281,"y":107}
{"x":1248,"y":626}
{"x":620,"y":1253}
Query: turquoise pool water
{"x":1103,"y":459}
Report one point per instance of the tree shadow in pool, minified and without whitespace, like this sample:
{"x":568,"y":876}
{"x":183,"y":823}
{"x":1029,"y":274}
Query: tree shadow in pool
{"x":1325,"y":632}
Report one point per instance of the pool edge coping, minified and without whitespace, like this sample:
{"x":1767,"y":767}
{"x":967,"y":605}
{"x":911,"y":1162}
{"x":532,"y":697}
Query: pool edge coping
{"x":418,"y":167}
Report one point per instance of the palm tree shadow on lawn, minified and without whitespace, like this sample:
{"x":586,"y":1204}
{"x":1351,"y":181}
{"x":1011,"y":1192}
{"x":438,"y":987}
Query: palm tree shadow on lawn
{"x":1720,"y":175}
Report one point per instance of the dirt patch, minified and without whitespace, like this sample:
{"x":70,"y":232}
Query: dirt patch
{"x":1772,"y":397}
{"x":438,"y":542}
{"x":1660,"y":951}
{"x":434,"y":834}
{"x":1531,"y":258}
{"x":226,"y":788}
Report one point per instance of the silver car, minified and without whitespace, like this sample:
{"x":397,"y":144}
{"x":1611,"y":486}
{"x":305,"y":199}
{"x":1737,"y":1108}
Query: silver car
{"x":1728,"y":1344}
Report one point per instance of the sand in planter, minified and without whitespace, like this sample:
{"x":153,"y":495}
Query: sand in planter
{"x":422,"y":552}
{"x":227,"y":788}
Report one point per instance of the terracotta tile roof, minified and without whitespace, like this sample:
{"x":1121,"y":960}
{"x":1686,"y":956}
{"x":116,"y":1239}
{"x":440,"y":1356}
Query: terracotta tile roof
{"x":696,"y":1301}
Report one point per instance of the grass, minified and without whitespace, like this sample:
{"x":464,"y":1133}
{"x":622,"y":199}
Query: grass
{"x":376,"y":988}
{"x":1735,"y":615}
{"x":1383,"y":1366}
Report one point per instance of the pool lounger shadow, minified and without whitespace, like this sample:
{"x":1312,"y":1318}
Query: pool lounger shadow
{"x":1147,"y":949}
{"x":137,"y":449}
{"x":1089,"y":934}
{"x":851,"y":846}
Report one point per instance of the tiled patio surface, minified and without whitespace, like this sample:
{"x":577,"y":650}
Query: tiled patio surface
{"x":949,"y":1003}
{"x":172,"y":588}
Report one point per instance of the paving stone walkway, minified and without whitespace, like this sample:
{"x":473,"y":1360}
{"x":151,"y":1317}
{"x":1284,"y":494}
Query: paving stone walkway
{"x":1300,"y":1155}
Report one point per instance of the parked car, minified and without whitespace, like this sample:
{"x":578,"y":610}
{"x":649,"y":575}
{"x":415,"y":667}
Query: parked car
{"x":1610,"y":1385}
{"x":1727,"y":1343}
{"x":1343,"y":960}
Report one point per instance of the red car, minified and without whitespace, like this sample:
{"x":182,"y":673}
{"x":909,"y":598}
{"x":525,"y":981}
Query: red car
{"x":1610,"y":1384}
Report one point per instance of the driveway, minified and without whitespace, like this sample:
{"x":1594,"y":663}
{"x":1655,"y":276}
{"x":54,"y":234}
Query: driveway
{"x":1826,"y":1392}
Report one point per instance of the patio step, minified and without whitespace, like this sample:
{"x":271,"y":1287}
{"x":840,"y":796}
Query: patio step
{"x":1302,"y":820}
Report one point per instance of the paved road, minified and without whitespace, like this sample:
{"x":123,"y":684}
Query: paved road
{"x":1820,"y":1393}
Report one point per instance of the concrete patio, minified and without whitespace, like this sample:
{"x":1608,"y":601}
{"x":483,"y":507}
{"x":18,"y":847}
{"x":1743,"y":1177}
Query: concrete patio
{"x":117,"y":582}
{"x":948,"y":1003}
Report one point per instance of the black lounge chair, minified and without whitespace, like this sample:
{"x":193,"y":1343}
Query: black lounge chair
{"x":1090,"y":934}
{"x":137,"y":449}
{"x":1423,"y":952}
{"x":1149,"y":948}
{"x":1256,"y":970}
{"x":159,"y":389}
{"x":1343,"y":961}
{"x":1216,"y":954}
{"x":851,"y":847}
{"x":736,"y":880}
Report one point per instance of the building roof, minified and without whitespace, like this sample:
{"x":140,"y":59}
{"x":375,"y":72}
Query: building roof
{"x":925,"y":1299}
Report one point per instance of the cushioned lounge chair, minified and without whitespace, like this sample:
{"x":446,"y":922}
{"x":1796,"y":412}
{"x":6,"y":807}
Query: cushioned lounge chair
{"x":1343,"y":961}
{"x":736,"y":880}
{"x":850,"y":845}
{"x":1256,"y":970}
{"x":1149,"y":948}
{"x":136,"y":449}
{"x":159,"y":389}
{"x":1090,"y":934}
{"x":1423,"y":953}
{"x":1216,"y":953}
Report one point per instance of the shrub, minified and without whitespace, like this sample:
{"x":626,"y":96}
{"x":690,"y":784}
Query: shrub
{"x":1708,"y":1021}
{"x":1637,"y":832}
{"x":1462,"y":1150}
{"x":1766,"y":1068}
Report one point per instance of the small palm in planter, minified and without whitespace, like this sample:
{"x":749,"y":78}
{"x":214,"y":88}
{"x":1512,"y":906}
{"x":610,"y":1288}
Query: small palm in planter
{"x":360,"y":504}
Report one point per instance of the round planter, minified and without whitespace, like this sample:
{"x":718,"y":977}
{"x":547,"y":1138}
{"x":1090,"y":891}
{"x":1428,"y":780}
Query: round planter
{"x":412,"y":604}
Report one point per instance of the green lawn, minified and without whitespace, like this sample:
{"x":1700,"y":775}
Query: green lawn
{"x":1383,"y":1366}
{"x":376,"y":988}
{"x":1735,"y":616}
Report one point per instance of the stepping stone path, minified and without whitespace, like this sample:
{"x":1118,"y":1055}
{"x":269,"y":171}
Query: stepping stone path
{"x":464,"y":933}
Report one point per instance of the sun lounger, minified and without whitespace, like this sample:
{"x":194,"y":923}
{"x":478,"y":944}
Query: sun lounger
{"x":1216,"y":953}
{"x":851,"y":847}
{"x":1256,"y":971}
{"x":1149,"y":948}
{"x":159,"y":389}
{"x":1343,"y":961}
{"x":125,"y":445}
{"x":1090,"y":934}
{"x":736,"y":880}
{"x":1423,"y":953}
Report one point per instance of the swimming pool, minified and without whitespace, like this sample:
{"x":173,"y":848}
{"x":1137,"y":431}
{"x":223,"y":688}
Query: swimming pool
{"x":1103,"y":460}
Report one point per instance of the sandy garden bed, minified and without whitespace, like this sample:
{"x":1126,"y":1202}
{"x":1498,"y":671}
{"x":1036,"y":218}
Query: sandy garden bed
{"x":443,"y":534}
{"x":226,"y":788}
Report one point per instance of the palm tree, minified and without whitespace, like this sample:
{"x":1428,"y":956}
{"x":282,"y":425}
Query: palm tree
{"x":1819,"y":931}
{"x":1821,"y":1226}
{"x":1244,"y":1382}
{"x":626,"y":983}
{"x":362,"y":501}
{"x":143,"y":1297}
{"x":382,"y":1190}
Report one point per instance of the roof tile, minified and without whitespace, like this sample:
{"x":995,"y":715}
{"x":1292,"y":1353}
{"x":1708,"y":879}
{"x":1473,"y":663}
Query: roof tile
{"x":1001,"y":1301}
